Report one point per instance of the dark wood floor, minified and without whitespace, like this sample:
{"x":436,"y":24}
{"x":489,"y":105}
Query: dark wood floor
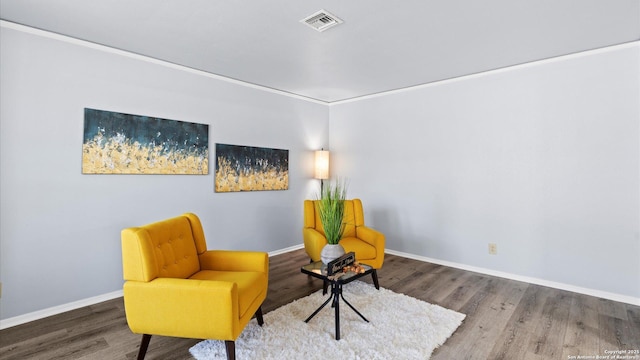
{"x":505,"y":319}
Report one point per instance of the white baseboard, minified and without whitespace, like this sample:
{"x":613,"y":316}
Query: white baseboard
{"x":41,"y":314}
{"x":531,"y":280}
{"x":286,"y":250}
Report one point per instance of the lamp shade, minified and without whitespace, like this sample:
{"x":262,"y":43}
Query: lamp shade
{"x":322,"y":164}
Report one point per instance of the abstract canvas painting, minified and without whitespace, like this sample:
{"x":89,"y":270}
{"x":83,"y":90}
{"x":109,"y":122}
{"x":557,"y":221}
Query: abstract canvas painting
{"x":116,"y":143}
{"x":246,"y":168}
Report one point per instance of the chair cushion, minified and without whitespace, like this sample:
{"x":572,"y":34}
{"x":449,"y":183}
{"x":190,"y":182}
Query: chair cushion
{"x":362,"y":249}
{"x":250,"y":284}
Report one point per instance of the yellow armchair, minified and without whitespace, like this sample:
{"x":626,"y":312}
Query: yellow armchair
{"x":176,"y":287}
{"x":367,"y":243}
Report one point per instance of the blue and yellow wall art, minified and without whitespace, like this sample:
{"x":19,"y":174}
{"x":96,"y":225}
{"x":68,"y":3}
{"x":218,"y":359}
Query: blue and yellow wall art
{"x":246,"y":168}
{"x":116,"y":143}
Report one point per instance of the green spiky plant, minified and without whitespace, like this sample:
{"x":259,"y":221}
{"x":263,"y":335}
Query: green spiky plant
{"x":331,"y":207}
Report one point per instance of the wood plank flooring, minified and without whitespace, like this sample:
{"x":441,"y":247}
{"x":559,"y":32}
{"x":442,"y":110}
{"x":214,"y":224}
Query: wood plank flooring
{"x":505,"y":319}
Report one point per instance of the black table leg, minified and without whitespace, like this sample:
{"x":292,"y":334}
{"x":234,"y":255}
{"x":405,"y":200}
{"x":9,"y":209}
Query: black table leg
{"x":352,"y":308}
{"x":336,"y":294}
{"x":374,"y":276}
{"x":336,"y":290}
{"x":320,"y":308}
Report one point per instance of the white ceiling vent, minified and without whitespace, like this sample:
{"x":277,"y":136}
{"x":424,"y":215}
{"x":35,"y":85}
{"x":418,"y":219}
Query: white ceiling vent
{"x":321,"y":20}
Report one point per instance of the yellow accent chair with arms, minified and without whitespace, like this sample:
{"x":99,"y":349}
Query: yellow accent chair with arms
{"x":176,"y":287}
{"x":367,"y":243}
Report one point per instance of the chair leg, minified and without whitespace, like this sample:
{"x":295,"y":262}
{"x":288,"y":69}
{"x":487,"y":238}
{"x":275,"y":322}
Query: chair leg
{"x":144,"y":344}
{"x":231,"y":349}
{"x":374,"y":275}
{"x":259,"y":316}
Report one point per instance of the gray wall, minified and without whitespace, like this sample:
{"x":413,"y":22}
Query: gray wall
{"x":542,"y":160}
{"x":60,"y":230}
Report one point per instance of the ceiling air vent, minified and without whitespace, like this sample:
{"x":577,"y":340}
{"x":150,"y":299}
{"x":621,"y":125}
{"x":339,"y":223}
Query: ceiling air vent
{"x":321,"y":20}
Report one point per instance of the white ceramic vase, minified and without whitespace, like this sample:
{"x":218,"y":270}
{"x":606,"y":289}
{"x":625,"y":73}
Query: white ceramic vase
{"x":331,"y":252}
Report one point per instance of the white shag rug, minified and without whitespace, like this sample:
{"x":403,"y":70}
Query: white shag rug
{"x":399,"y":327}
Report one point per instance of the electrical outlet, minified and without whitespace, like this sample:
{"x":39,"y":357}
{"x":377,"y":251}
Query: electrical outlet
{"x":493,"y":249}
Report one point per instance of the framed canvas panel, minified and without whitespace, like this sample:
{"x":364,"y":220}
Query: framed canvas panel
{"x":116,"y":143}
{"x":246,"y":168}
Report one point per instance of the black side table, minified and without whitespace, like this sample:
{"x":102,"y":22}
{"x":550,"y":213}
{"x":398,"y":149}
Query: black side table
{"x":318,"y":270}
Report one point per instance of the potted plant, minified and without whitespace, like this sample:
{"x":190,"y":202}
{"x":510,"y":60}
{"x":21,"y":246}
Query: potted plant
{"x":331,"y":209}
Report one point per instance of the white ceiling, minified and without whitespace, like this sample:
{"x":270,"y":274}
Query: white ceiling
{"x":382,"y":45}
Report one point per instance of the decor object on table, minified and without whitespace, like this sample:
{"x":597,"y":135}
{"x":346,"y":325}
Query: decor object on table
{"x":331,"y":211}
{"x":176,"y":287}
{"x":247,"y":168}
{"x":116,"y":143}
{"x":331,"y":252}
{"x":340,"y":264}
{"x":367,"y":243}
{"x":400,"y":327}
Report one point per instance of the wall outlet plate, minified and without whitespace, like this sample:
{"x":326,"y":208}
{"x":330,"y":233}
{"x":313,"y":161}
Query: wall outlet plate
{"x":493,"y":249}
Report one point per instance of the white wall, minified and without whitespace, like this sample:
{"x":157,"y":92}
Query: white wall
{"x":60,"y":230}
{"x":541,"y":159}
